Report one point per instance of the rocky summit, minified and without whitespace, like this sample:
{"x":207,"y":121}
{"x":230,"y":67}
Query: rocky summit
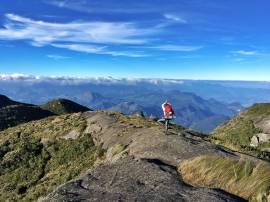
{"x":143,"y":164}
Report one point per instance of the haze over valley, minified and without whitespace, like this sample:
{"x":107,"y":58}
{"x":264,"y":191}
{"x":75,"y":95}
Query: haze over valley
{"x":200,"y":105}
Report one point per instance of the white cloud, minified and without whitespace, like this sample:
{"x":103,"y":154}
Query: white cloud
{"x":127,"y":53}
{"x":175,"y":18}
{"x":42,"y":33}
{"x":246,"y":53}
{"x":105,"y":6}
{"x":98,"y":50}
{"x":88,"y":37}
{"x":16,"y":76}
{"x":77,"y":36}
{"x":57,"y":57}
{"x":239,"y":59}
{"x":59,"y":3}
{"x":177,"y":48}
{"x":81,"y":47}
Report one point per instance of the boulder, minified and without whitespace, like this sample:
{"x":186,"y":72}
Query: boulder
{"x":259,"y":138}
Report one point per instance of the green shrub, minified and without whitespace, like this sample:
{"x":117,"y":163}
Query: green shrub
{"x":30,"y":168}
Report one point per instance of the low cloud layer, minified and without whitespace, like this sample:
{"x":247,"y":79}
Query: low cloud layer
{"x":65,"y":80}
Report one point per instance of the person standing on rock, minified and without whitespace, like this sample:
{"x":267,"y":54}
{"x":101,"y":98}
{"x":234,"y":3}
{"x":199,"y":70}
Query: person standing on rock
{"x":167,"y":110}
{"x":168,"y":114}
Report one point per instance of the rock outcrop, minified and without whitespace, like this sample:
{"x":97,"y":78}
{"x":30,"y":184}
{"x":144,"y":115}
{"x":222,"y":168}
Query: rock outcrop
{"x":145,"y":139}
{"x":141,"y":163}
{"x":132,"y":179}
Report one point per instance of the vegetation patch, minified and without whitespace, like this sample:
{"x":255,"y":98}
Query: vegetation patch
{"x":238,"y":136}
{"x":117,"y":148}
{"x":130,"y":123}
{"x":237,"y":133}
{"x":240,"y":177}
{"x":63,"y":106}
{"x":31,"y":168}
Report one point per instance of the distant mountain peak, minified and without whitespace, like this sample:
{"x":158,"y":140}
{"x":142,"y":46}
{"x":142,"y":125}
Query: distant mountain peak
{"x":5,"y":101}
{"x":127,"y":107}
{"x":63,"y":106}
{"x":13,"y":113}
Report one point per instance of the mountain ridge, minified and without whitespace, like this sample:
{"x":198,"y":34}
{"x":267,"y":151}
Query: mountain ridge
{"x":5,"y":101}
{"x":62,"y":106}
{"x":248,"y":132}
{"x":13,"y":113}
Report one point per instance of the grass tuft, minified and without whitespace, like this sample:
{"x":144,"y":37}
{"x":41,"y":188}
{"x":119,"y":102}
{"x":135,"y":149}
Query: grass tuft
{"x":240,"y":177}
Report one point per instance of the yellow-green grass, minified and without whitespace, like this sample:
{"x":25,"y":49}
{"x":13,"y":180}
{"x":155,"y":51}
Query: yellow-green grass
{"x":131,"y":123}
{"x":243,"y":178}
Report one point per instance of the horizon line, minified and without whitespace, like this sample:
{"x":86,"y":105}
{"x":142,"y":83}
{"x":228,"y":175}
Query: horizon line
{"x":18,"y":76}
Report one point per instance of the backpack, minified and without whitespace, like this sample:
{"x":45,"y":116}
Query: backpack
{"x":168,"y":110}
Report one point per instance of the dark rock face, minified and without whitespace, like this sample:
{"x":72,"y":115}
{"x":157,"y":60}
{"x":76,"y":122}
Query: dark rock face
{"x":135,"y":180}
{"x":5,"y":101}
{"x":13,"y":113}
{"x":16,"y":114}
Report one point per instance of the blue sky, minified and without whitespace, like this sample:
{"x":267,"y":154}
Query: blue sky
{"x":185,"y":39}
